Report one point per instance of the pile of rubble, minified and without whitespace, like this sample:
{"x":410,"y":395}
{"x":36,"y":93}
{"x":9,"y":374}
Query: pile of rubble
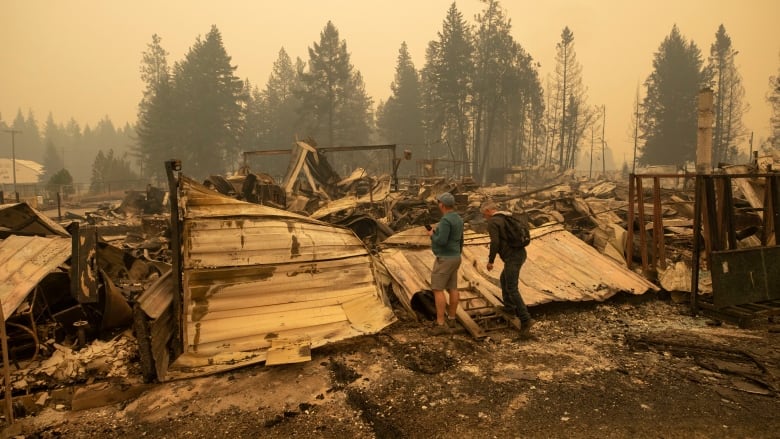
{"x":192,"y":281}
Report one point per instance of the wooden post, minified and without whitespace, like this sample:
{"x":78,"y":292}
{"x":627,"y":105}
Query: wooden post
{"x":728,"y":215}
{"x":172,"y":169}
{"x":658,"y":225}
{"x":698,"y":197}
{"x":642,"y":228}
{"x":9,"y":406}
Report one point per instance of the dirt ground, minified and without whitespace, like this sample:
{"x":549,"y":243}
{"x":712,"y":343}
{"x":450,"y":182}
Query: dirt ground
{"x":631,"y":367}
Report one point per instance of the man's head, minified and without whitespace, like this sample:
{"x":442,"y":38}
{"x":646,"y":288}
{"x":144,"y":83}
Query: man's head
{"x":488,"y":208}
{"x":446,"y":202}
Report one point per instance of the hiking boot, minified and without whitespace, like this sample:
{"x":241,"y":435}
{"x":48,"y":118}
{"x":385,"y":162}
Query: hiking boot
{"x":525,"y":329}
{"x":451,"y":323}
{"x":438,"y":329}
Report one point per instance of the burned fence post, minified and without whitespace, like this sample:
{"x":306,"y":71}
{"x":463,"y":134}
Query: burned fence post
{"x":696,"y":243}
{"x":83,"y":268}
{"x":6,"y":370}
{"x":172,"y":167}
{"x":630,"y":228}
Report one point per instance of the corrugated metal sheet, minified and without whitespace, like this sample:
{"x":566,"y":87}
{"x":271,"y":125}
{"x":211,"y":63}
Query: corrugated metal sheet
{"x":24,"y":261}
{"x":21,"y":219}
{"x":255,"y":276}
{"x":560,"y":267}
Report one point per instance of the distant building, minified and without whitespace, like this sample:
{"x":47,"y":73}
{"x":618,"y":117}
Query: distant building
{"x":28,"y":175}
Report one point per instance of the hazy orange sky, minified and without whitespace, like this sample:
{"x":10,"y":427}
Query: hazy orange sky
{"x":80,"y":58}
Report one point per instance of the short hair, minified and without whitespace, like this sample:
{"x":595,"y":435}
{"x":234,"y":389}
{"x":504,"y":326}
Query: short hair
{"x":488,"y":205}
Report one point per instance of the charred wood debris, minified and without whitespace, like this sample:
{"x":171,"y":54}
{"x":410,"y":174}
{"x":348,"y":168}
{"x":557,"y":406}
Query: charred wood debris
{"x":74,"y":325}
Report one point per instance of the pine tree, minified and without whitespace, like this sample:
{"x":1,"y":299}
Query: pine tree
{"x":495,"y":55}
{"x":280,"y":103}
{"x":400,"y":119}
{"x":335,"y":108}
{"x":669,"y":119}
{"x":53,"y":160}
{"x":208,"y":100}
{"x":729,"y":98}
{"x":574,"y":117}
{"x":448,"y":77}
{"x":155,"y":127}
{"x":774,"y":99}
{"x":110,"y":173}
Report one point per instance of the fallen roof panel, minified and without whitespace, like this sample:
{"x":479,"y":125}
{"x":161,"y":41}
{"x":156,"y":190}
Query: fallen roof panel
{"x":21,"y":219}
{"x":258,"y":280}
{"x":560,"y":267}
{"x":24,"y":261}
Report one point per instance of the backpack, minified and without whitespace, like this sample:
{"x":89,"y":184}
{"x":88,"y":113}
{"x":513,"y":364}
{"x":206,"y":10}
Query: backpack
{"x":517,"y":233}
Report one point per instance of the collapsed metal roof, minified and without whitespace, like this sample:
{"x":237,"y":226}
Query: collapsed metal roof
{"x":262,"y":284}
{"x":560,"y":267}
{"x":24,"y":261}
{"x":21,"y":219}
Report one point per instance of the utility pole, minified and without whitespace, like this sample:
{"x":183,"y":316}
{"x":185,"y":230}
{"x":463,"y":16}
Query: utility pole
{"x":590,"y":172}
{"x":13,"y":157}
{"x":603,"y":144}
{"x":636,"y":130}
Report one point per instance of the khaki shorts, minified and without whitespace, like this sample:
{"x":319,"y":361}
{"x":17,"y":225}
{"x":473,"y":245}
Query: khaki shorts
{"x":445,"y":273}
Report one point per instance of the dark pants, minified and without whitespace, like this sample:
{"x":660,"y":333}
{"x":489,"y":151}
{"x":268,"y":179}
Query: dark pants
{"x":510,"y":278}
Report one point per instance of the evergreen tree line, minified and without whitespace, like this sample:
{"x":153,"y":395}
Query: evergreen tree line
{"x":70,"y":148}
{"x":478,"y":100}
{"x":666,"y":119}
{"x":477,"y":104}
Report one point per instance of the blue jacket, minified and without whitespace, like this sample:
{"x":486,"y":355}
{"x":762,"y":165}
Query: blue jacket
{"x":447,"y":239}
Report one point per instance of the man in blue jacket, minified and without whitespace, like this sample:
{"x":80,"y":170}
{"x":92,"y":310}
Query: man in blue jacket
{"x":446,"y":243}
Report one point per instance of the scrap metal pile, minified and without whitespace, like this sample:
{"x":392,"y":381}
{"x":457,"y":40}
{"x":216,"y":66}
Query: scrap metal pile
{"x":244,"y":270}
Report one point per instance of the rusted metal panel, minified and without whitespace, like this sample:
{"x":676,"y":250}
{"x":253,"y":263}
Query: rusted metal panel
{"x":157,"y":298}
{"x":255,"y":241}
{"x":560,"y":267}
{"x":21,"y":219}
{"x":252,"y":275}
{"x":24,"y":261}
{"x":745,"y":276}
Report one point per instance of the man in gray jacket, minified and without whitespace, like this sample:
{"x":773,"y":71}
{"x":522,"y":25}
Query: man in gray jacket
{"x":513,"y":258}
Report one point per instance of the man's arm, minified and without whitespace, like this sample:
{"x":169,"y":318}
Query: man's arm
{"x":442,"y":233}
{"x":495,"y":239}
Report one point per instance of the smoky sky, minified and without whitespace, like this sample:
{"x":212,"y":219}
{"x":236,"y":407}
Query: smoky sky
{"x":80,"y":58}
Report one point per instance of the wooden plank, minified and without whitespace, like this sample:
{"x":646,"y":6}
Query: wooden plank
{"x":658,"y":234}
{"x":642,"y":231}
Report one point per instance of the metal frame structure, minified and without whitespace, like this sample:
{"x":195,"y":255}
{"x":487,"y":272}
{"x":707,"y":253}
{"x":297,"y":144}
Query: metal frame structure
{"x":395,"y":161}
{"x":744,"y":287}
